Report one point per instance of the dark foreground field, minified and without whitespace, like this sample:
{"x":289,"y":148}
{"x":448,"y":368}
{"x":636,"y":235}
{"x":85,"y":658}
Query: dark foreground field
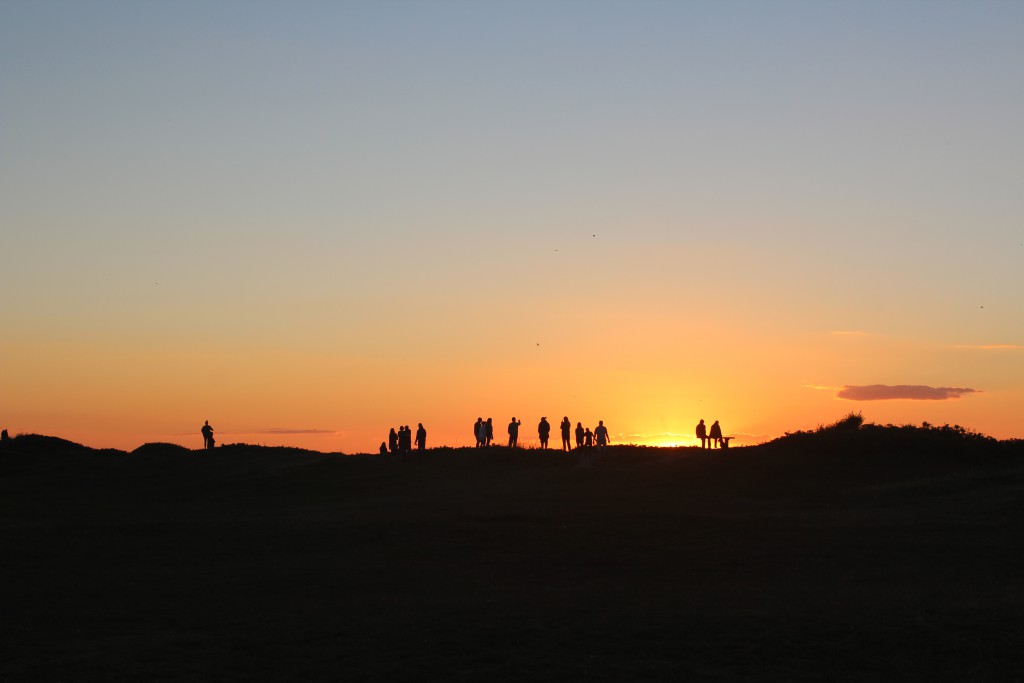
{"x":800,"y":560}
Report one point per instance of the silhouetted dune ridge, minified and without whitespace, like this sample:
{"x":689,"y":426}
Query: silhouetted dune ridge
{"x":863,"y":551}
{"x":851,"y":436}
{"x":40,"y":444}
{"x":161,"y":449}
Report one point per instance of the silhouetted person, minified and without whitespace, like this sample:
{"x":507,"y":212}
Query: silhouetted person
{"x":207,"y":432}
{"x":588,"y":438}
{"x":579,"y":435}
{"x":601,"y":434}
{"x":383,"y":448}
{"x":543,"y":431}
{"x":4,"y":436}
{"x":480,"y":432}
{"x":513,"y":432}
{"x":566,"y":428}
{"x":702,"y":434}
{"x":393,"y":440}
{"x":421,"y":437}
{"x":489,"y":431}
{"x":716,"y":434}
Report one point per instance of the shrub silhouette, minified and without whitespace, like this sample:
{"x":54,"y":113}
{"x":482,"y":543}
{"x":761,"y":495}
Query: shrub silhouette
{"x":852,"y":436}
{"x":851,"y":422}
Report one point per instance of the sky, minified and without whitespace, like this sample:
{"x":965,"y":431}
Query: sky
{"x":308,"y":222}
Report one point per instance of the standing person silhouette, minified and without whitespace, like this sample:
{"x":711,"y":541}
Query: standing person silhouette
{"x":588,"y":438}
{"x":421,"y":437}
{"x":716,"y":434}
{"x":489,"y":433}
{"x":207,"y":432}
{"x":479,"y":431}
{"x":393,"y":440}
{"x":579,"y":435}
{"x":601,"y":434}
{"x":702,"y":434}
{"x":543,"y":430}
{"x":513,"y":432}
{"x":566,"y":427}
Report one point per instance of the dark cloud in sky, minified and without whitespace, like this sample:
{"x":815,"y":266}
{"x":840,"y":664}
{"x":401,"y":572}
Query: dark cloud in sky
{"x":884,"y":392}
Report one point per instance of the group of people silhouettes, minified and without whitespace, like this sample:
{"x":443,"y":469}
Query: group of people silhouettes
{"x":713,"y":438}
{"x":584,"y":437}
{"x":483,"y":431}
{"x":402,"y":441}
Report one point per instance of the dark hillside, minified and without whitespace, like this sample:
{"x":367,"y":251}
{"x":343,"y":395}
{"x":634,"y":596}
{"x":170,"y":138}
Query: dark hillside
{"x":881,"y":555}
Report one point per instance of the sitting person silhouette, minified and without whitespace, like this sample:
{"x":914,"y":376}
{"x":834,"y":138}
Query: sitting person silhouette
{"x":702,"y":434}
{"x":716,"y":434}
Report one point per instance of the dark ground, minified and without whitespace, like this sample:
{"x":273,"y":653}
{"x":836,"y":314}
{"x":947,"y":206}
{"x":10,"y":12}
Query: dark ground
{"x":781,"y":562}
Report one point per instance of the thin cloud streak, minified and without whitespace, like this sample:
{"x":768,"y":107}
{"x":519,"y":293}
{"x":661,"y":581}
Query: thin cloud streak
{"x":293,"y":431}
{"x":324,"y":432}
{"x":989,"y":347}
{"x":884,"y":392}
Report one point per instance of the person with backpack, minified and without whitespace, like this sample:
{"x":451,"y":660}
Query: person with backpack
{"x":207,"y":432}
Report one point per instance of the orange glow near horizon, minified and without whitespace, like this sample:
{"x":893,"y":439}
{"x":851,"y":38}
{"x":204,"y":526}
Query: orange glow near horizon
{"x":120,"y":396}
{"x":316,"y":415}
